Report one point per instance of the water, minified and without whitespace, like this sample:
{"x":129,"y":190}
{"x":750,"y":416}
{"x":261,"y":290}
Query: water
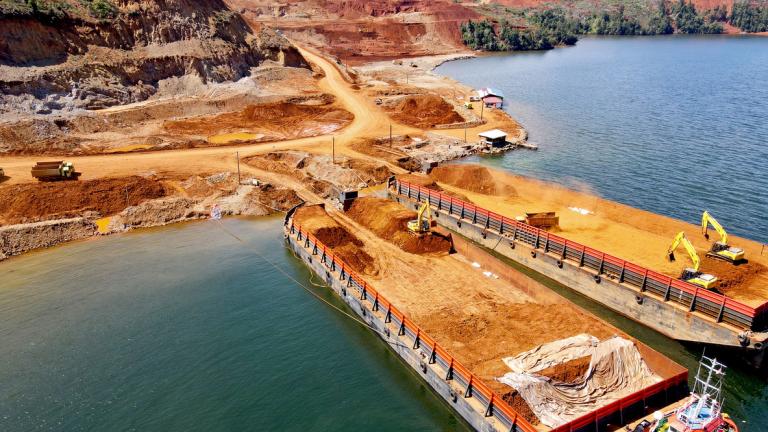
{"x":186,"y":329}
{"x":674,"y":125}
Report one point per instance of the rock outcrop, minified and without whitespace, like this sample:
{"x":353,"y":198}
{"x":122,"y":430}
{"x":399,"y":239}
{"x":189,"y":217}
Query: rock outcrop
{"x":69,"y":54}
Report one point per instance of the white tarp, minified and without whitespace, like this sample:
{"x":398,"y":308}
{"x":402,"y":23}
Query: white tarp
{"x":616,"y":370}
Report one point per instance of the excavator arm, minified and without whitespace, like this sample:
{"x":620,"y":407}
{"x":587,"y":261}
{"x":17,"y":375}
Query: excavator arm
{"x":680,"y":238}
{"x":706,"y":220}
{"x":424,"y":209}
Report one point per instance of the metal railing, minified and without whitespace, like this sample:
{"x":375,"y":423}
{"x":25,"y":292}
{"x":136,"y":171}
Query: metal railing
{"x":694,"y":298}
{"x":471,"y":385}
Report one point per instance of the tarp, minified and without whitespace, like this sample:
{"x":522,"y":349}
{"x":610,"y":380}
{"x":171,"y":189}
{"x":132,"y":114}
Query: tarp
{"x":616,"y":370}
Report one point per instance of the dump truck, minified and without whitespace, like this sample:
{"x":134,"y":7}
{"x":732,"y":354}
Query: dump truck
{"x":54,"y":170}
{"x":543,"y":220}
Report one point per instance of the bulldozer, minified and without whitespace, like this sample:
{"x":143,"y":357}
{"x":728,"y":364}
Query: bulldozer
{"x":422,"y":225}
{"x":720,"y":249}
{"x":691,"y":275}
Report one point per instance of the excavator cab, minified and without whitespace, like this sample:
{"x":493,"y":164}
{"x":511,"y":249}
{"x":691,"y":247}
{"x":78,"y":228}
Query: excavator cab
{"x":720,"y":249}
{"x":422,"y":224}
{"x":691,"y":275}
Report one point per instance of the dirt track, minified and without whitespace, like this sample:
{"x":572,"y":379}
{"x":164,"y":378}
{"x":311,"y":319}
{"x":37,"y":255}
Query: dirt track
{"x":369,"y":121}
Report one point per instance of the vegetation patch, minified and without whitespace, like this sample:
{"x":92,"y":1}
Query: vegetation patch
{"x":547,"y":26}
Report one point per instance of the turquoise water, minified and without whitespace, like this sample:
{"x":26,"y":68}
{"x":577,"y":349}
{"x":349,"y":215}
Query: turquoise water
{"x":674,"y":125}
{"x":186,"y":329}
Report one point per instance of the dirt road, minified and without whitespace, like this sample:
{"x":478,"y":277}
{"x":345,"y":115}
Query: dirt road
{"x":369,"y":121}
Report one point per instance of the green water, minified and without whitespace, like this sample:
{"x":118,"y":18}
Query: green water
{"x":185,"y":329}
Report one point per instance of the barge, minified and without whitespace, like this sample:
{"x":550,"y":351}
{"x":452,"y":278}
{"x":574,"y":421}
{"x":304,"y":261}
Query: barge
{"x":468,"y":394}
{"x":675,"y":308}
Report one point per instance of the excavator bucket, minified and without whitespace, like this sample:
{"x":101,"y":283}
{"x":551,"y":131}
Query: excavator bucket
{"x":671,"y":256}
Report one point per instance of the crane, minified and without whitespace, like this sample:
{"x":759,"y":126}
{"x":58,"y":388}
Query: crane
{"x":421,"y":225}
{"x":692,"y":275}
{"x":720,"y":249}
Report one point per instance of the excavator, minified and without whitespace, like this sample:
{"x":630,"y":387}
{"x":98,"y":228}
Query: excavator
{"x":692,"y":275}
{"x":422,"y":224}
{"x":720,"y":249}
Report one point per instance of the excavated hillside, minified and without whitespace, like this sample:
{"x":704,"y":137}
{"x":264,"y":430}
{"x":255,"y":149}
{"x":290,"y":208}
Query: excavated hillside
{"x":91,"y":54}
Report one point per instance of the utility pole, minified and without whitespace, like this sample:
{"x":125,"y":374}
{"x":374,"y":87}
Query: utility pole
{"x":390,"y":135}
{"x":333,"y":150}
{"x":482,"y":106}
{"x":237,"y":155}
{"x":465,"y":133}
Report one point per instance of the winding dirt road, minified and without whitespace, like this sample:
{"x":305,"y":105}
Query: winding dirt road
{"x":369,"y":121}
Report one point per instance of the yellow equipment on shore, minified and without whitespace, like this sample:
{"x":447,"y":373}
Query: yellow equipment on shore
{"x":720,"y":249}
{"x":422,"y":224}
{"x":692,"y":275}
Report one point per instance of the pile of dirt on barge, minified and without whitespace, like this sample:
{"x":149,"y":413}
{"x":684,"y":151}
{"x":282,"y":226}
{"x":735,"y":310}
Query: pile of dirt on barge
{"x":540,"y":357}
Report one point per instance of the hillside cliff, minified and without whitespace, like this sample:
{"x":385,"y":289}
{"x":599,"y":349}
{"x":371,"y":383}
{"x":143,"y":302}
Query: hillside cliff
{"x":57,"y":54}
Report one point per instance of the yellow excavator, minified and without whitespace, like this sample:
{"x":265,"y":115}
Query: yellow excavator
{"x":720,"y":249}
{"x":692,"y":275}
{"x":423,"y":222}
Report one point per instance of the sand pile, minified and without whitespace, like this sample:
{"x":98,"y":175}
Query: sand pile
{"x":569,"y":371}
{"x":474,"y":178}
{"x":343,"y":243}
{"x":731,"y":276}
{"x":424,"y":111}
{"x":31,"y":202}
{"x":267,"y":121}
{"x":427,"y":182}
{"x":389,"y":221}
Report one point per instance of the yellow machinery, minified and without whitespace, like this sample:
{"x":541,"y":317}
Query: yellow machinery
{"x":692,"y":275}
{"x":423,"y":222}
{"x":720,"y":249}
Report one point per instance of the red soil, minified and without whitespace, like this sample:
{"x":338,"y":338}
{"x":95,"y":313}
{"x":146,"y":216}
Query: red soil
{"x":389,"y":220}
{"x":31,"y":202}
{"x":424,"y":111}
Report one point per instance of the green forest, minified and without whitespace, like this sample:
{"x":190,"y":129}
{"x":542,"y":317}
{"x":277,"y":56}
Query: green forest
{"x":536,"y":29}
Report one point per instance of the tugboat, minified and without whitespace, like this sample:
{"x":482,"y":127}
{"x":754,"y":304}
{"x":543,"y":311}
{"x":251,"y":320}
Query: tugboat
{"x":702,"y":411}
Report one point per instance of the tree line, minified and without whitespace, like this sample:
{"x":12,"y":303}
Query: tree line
{"x":546,"y":29}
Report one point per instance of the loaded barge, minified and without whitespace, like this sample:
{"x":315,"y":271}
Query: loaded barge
{"x":675,"y":308}
{"x":446,"y":365}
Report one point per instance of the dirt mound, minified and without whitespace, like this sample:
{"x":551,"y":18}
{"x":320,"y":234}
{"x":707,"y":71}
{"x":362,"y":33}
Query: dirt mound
{"x":320,"y":173}
{"x":389,"y":220}
{"x":474,"y":178}
{"x":343,"y":243}
{"x":265,"y":122}
{"x":281,"y":199}
{"x":568,"y":372}
{"x":31,"y":202}
{"x":517,"y":403}
{"x":731,"y":276}
{"x":424,"y":111}
{"x":428,"y":183}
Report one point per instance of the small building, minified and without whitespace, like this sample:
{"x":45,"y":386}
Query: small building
{"x":491,"y":97}
{"x":494,"y":138}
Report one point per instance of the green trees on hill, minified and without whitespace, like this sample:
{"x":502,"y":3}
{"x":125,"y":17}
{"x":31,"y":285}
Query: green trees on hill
{"x":688,"y":21}
{"x":750,"y":17}
{"x":546,"y":28}
{"x":549,"y":29}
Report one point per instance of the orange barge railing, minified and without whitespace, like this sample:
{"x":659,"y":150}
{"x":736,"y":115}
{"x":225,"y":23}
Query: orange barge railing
{"x":696,"y":299}
{"x":471,"y":384}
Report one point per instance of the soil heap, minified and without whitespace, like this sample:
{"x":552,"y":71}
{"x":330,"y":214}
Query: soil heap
{"x":389,"y":220}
